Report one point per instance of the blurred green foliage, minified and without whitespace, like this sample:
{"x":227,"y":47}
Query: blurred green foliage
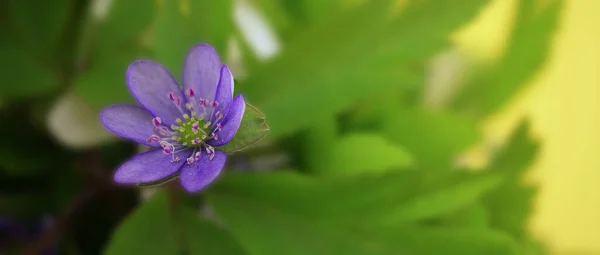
{"x":372,"y":170}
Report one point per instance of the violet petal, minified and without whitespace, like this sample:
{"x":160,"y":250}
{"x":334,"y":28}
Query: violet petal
{"x":225,"y":90}
{"x":197,"y":175}
{"x":149,"y":167}
{"x":231,"y":122}
{"x":150,"y":83}
{"x":201,"y":71}
{"x":130,"y":122}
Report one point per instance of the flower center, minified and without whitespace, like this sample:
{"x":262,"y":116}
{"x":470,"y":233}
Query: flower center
{"x":192,"y":131}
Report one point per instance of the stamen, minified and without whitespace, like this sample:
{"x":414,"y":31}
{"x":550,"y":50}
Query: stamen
{"x":190,"y":160}
{"x":219,"y":127}
{"x":198,"y":155}
{"x":215,"y":104}
{"x":167,"y":150}
{"x":189,"y":106}
{"x":176,"y":159}
{"x":156,"y":121}
{"x":172,"y":96}
{"x":164,"y":144}
{"x":178,"y":101}
{"x":153,"y":139}
{"x":203,"y":102}
{"x":196,"y":141}
{"x":207,"y":124}
{"x":211,"y":152}
{"x":215,"y":136}
{"x":219,"y":115}
{"x":178,"y":120}
{"x":190,"y":92}
{"x":195,"y":127}
{"x":186,"y":116}
{"x":164,"y":131}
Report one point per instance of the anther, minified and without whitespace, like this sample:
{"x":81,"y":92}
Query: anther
{"x":152,"y":139}
{"x":164,"y":144}
{"x":186,"y":116}
{"x":178,"y":101}
{"x":189,"y":106}
{"x":195,"y":127}
{"x":156,"y":121}
{"x":215,"y":136}
{"x":190,"y":160}
{"x":164,"y":131}
{"x":219,"y":115}
{"x":178,"y":120}
{"x":210,"y":149}
{"x":203,"y":102}
{"x":215,"y":104}
{"x":219,"y":127}
{"x":172,"y":96}
{"x":196,"y":141}
{"x":197,"y":155}
{"x":190,"y":92}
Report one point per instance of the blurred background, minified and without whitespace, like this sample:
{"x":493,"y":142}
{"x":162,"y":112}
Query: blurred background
{"x":396,"y":127}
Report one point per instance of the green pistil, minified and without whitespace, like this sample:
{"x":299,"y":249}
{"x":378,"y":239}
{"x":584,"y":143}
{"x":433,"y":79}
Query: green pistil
{"x":192,"y":131}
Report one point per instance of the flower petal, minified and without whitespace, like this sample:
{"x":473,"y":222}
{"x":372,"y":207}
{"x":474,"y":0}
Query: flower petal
{"x":150,"y":83}
{"x":196,"y":176}
{"x":232,"y":121}
{"x":130,"y":122}
{"x":149,"y":167}
{"x":201,"y":71}
{"x":225,"y":90}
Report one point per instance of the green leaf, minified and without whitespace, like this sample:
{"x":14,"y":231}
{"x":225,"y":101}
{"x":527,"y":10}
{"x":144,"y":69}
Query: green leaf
{"x":117,"y":44}
{"x":147,"y":230}
{"x":362,"y":52}
{"x":40,"y":24}
{"x":475,"y":216}
{"x":382,"y":199}
{"x":213,"y":20}
{"x":253,"y":129}
{"x":125,"y":22}
{"x":104,"y":83}
{"x":153,"y":229}
{"x":443,"y":200}
{"x":277,"y":15}
{"x":433,"y":138}
{"x":177,"y":30}
{"x":511,"y":205}
{"x":264,"y":225}
{"x":512,"y":202}
{"x":527,"y":51}
{"x":203,"y":237}
{"x":363,"y":152}
{"x":22,"y":73}
{"x":519,"y":152}
{"x":317,"y":143}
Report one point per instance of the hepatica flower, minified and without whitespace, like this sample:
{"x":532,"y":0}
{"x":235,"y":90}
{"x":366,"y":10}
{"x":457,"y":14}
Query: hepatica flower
{"x":184,"y":124}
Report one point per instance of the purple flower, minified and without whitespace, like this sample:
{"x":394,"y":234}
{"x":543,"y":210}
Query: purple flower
{"x":184,"y":125}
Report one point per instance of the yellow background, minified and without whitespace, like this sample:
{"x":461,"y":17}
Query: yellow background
{"x":562,"y":101}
